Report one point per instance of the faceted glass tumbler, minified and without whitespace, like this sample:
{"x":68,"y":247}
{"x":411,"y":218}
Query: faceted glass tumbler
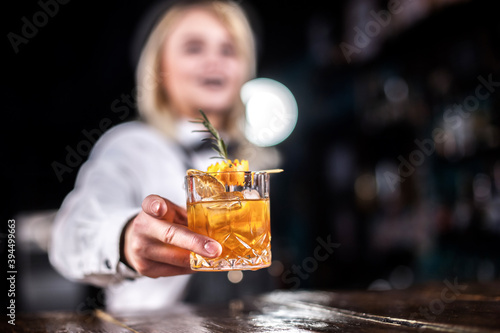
{"x":233,"y":208}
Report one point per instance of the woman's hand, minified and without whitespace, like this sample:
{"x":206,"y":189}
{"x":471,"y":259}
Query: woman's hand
{"x":157,"y":241}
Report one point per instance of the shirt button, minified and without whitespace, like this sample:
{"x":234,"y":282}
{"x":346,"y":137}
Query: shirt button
{"x":107,"y":263}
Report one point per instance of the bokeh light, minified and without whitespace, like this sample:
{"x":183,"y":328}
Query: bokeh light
{"x":235,"y":276}
{"x":271,"y":111}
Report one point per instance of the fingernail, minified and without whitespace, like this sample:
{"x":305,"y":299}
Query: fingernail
{"x":155,"y":207}
{"x":212,"y":248}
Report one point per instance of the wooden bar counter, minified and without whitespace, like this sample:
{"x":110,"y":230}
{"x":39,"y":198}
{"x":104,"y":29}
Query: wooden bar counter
{"x":446,"y":306}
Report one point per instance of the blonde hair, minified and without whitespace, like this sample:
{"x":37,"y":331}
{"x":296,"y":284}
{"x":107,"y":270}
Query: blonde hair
{"x":152,"y":101}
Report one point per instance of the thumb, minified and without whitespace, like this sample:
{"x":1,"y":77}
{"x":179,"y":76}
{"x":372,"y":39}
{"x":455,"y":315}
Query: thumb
{"x":155,"y":206}
{"x":161,"y":208}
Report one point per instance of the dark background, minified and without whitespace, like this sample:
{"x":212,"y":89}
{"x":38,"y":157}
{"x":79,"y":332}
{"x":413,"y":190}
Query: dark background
{"x":358,"y":122}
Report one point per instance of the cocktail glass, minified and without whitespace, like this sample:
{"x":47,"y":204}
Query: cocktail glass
{"x":232,"y":208}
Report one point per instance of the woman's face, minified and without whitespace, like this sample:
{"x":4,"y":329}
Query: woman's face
{"x":201,"y":65}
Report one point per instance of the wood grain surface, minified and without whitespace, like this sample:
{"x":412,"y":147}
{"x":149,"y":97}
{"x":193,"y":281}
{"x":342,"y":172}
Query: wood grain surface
{"x":446,"y":306}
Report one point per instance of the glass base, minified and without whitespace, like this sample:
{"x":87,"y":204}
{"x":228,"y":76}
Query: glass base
{"x":199,"y":263}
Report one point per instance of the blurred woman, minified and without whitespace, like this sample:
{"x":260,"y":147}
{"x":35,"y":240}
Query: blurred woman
{"x":125,"y":220}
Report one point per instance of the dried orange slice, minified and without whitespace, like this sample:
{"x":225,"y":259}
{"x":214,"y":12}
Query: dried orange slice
{"x":206,"y":185}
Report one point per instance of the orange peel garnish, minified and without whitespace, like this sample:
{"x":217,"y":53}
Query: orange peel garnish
{"x":232,"y":177}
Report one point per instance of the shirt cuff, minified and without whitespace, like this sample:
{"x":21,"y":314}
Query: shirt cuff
{"x":126,"y":272}
{"x":109,"y":235}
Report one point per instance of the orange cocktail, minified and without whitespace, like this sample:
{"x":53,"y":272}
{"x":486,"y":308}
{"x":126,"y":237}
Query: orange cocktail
{"x":232,"y":208}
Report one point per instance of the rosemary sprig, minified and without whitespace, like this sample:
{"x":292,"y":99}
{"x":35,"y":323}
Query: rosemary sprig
{"x":218,"y":144}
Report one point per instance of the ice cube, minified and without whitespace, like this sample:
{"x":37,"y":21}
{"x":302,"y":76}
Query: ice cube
{"x":235,"y":195}
{"x":226,"y":200}
{"x":251,"y":194}
{"x":227,"y":205}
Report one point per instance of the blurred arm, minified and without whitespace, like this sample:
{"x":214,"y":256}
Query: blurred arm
{"x":123,"y":169}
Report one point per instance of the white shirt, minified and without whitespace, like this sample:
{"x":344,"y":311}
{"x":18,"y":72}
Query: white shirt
{"x":129,"y":162}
